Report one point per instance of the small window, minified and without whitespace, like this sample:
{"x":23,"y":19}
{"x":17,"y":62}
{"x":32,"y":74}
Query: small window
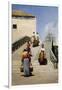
{"x":14,"y":26}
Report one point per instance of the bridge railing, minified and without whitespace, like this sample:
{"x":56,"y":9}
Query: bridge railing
{"x":53,"y":59}
{"x":19,"y":43}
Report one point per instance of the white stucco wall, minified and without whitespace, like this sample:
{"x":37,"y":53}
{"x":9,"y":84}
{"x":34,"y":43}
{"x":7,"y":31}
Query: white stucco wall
{"x":25,"y":27}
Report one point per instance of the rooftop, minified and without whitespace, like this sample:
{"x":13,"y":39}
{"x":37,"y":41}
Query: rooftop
{"x":17,"y":13}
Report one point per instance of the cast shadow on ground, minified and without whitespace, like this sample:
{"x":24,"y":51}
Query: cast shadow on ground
{"x":28,"y":76}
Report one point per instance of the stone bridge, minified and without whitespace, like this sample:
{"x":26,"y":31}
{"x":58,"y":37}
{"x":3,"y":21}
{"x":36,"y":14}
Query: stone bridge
{"x":42,"y":74}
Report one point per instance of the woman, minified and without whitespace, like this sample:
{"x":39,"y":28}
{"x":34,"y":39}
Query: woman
{"x":26,"y":62}
{"x":42,"y":56}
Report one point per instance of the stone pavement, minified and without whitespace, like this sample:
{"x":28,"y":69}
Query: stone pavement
{"x":42,"y":74}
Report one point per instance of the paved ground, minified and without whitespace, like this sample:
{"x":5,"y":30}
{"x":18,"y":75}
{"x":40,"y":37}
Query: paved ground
{"x":42,"y":73}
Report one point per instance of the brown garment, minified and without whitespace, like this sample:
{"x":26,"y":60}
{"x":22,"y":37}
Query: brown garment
{"x":42,"y":55}
{"x":25,"y":54}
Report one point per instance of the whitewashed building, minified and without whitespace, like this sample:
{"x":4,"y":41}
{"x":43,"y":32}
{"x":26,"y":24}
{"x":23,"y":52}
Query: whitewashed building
{"x":23,"y":24}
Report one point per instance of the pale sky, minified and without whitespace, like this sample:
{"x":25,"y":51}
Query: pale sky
{"x":46,"y":16}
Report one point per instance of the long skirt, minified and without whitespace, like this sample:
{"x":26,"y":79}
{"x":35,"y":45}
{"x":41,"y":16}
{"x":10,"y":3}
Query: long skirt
{"x":26,"y":64}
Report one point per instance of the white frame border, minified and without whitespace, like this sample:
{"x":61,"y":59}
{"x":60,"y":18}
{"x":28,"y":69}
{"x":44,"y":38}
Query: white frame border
{"x":43,"y":3}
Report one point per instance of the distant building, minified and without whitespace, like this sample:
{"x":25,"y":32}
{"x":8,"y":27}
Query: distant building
{"x":23,"y":24}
